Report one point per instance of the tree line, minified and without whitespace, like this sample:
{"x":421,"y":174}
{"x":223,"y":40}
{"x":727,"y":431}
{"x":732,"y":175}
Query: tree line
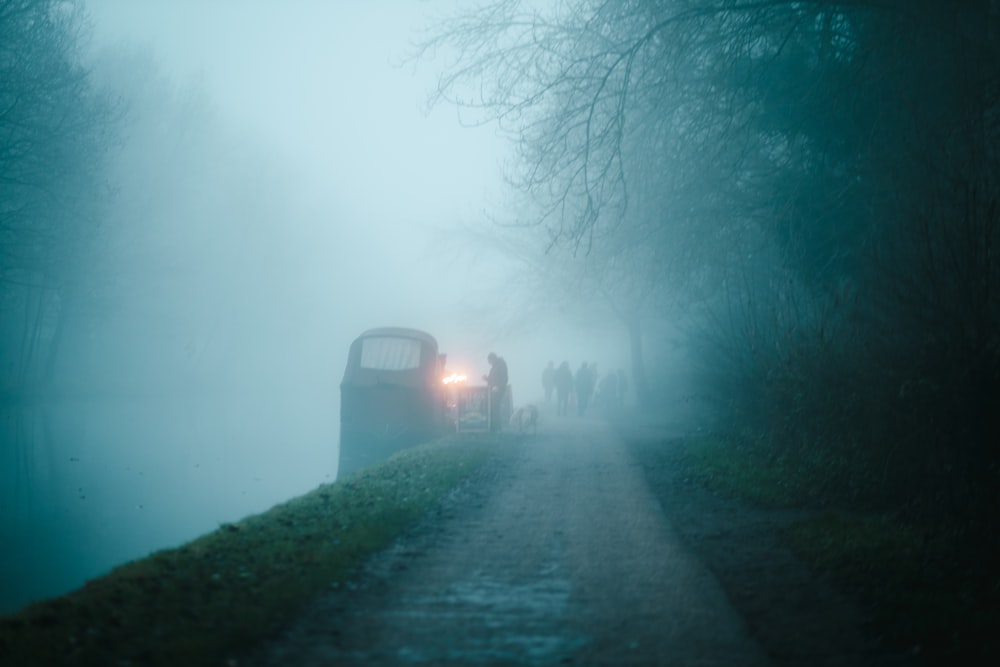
{"x":54,"y":140}
{"x":144,"y":245}
{"x":812,"y":184}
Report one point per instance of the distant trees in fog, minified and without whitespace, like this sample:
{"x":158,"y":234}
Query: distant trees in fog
{"x":144,"y":246}
{"x":819,"y":179}
{"x":56,"y":131}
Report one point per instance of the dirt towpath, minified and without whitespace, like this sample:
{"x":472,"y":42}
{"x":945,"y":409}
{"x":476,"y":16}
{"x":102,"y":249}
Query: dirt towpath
{"x":559,"y":556}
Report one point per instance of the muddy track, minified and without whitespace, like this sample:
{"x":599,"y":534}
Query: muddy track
{"x":560,"y":556}
{"x":571,"y":552}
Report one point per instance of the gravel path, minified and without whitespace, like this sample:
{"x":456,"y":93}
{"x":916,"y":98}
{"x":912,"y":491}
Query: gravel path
{"x":559,"y":556}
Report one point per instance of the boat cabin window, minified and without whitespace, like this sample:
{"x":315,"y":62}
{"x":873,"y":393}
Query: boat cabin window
{"x":385,"y":353}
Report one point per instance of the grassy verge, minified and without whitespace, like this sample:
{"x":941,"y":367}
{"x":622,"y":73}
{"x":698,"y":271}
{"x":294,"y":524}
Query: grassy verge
{"x":804,"y":477}
{"x":927,"y":591}
{"x":921,"y":592}
{"x":197,"y":604}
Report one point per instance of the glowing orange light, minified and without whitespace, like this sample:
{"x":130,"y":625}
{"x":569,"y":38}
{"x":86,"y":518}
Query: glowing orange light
{"x":454,"y":378}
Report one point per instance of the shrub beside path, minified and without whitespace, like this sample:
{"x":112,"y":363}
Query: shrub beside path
{"x":559,"y":555}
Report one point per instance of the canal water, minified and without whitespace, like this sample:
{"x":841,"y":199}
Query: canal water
{"x":86,"y":486}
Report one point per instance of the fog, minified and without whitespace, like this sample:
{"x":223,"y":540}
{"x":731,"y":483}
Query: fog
{"x":336,"y":199}
{"x":779,"y":220}
{"x":278,"y":184}
{"x":369,"y":180}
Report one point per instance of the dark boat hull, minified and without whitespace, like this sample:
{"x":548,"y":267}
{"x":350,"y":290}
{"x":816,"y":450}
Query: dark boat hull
{"x":391,"y":398}
{"x":377,"y":422}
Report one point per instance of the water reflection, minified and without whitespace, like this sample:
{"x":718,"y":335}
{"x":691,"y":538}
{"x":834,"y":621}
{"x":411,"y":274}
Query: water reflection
{"x":86,"y":486}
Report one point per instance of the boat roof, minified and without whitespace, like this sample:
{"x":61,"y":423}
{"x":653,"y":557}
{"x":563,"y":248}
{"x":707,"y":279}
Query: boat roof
{"x":399,"y":332}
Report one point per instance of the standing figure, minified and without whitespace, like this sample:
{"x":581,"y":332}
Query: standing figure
{"x":496,"y":383}
{"x":564,"y":387}
{"x":549,"y":381}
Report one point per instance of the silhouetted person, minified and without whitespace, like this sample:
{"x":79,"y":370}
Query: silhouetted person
{"x":564,"y":387}
{"x":496,"y":383}
{"x":584,"y":388}
{"x":549,"y":381}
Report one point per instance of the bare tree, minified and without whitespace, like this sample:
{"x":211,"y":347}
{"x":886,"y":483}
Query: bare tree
{"x":54,"y":133}
{"x":818,"y":167}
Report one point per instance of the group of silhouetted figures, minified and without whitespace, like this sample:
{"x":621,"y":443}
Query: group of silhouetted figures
{"x":584,"y":389}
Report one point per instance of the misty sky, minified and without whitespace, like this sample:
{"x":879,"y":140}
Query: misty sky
{"x":324,"y":85}
{"x":325,"y":90}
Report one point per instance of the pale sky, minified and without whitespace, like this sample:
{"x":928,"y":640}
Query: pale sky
{"x":322,"y":85}
{"x":323,"y":82}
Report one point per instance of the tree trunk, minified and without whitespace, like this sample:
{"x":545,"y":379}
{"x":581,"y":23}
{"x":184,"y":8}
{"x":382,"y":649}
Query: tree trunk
{"x":31,"y":338}
{"x":638,"y":365}
{"x":55,"y":345}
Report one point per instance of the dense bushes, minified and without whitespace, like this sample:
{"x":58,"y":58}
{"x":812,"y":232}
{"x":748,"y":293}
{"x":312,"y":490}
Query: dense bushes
{"x":896,"y":378}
